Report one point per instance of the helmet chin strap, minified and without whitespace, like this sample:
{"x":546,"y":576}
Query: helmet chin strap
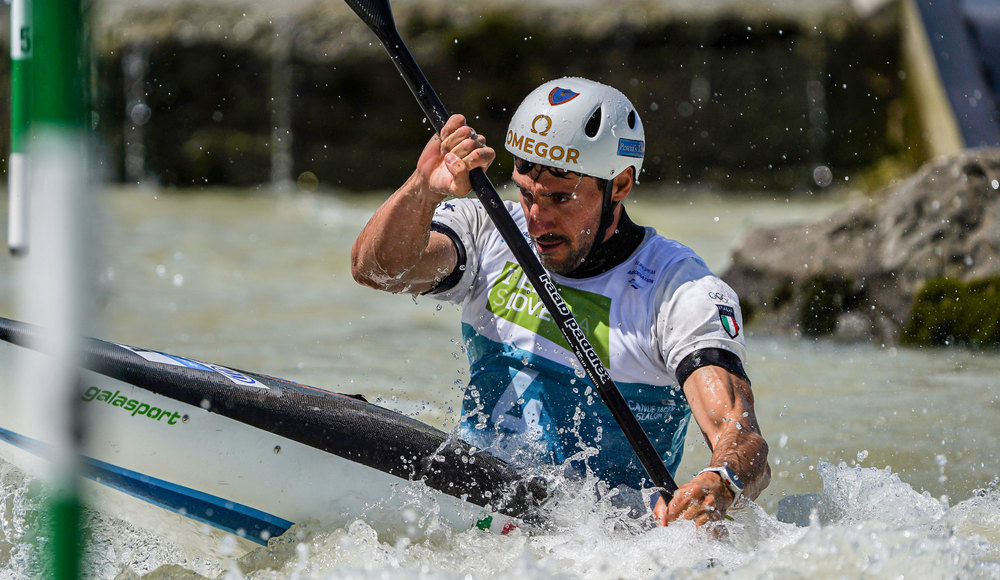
{"x":607,"y":218}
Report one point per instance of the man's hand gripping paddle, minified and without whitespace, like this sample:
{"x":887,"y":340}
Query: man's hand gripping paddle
{"x":377,"y":14}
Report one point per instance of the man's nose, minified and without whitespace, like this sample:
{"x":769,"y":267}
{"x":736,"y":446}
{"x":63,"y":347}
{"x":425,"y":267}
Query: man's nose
{"x":539,"y":219}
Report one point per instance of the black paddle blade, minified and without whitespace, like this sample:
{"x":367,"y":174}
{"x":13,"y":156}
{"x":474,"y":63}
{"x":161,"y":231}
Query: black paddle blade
{"x":377,"y":14}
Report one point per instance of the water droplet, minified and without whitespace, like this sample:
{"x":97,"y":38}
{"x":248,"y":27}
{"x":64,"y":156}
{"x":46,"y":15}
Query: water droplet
{"x":227,"y":545}
{"x":822,"y":175}
{"x":140,"y":114}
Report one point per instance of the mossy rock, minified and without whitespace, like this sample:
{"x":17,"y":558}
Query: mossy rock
{"x":949,"y":311}
{"x":824,"y":299}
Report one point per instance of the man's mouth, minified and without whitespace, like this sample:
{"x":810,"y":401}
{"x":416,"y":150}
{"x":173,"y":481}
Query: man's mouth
{"x":546,"y":244}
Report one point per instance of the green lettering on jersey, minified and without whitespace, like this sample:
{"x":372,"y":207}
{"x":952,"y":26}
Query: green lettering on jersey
{"x":514,"y":299}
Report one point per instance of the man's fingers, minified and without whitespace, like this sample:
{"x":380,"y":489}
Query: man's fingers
{"x":466,"y":146}
{"x":453,"y":123}
{"x":460,"y":150}
{"x":690,"y":502}
{"x":463,"y":136}
{"x":454,"y":164}
{"x":467,"y":156}
{"x":480,"y":157}
{"x":459,"y":169}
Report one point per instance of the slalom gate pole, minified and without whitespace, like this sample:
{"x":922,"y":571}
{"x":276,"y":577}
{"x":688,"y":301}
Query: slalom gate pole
{"x":54,"y":295}
{"x":17,"y":165}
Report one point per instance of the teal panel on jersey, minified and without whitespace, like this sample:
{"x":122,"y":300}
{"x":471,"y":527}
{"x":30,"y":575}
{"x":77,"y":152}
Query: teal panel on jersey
{"x":529,"y":410}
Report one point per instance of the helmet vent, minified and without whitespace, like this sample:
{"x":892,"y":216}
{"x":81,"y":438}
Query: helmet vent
{"x":593,"y":124}
{"x":631,"y":119}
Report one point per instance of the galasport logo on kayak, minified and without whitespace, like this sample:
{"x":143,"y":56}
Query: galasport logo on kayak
{"x":133,"y":406}
{"x":513,"y":298}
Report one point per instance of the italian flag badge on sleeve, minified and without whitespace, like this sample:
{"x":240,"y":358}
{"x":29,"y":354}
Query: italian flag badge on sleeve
{"x":728,"y":317}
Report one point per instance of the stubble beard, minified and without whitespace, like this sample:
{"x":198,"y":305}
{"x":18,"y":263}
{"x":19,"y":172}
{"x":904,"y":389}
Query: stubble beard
{"x":576,"y":256}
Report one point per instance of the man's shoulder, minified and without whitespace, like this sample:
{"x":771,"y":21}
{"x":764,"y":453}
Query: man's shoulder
{"x":671,"y":266}
{"x":457,"y":204}
{"x":664,"y":252}
{"x":471,"y":206}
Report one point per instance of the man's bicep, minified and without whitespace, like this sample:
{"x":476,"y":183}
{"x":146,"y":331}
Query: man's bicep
{"x":439,"y":261}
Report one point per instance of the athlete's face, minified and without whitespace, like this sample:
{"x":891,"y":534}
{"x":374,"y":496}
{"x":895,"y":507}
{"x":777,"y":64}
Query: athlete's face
{"x":563,"y":215}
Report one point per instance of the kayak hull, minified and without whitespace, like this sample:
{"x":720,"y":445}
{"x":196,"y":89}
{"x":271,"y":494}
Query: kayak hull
{"x":252,"y":454}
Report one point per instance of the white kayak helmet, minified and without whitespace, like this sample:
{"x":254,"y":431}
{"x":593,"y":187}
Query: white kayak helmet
{"x":578,"y":125}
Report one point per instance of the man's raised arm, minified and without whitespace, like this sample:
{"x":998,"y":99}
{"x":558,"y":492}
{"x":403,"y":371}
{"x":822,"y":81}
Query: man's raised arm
{"x":397,"y":251}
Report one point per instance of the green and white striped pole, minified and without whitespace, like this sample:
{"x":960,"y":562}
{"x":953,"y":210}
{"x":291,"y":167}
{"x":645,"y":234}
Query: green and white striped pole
{"x":20,"y":85}
{"x":56,"y":280}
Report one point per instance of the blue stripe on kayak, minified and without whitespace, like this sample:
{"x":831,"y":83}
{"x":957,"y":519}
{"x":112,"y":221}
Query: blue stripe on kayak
{"x":226,"y":515}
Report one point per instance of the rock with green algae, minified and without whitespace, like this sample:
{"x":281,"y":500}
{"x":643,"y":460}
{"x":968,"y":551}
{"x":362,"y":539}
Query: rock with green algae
{"x":922,"y":255}
{"x":951,"y":312}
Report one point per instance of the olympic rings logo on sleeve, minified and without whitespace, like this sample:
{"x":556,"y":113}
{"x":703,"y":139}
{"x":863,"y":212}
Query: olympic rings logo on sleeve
{"x":718,"y":297}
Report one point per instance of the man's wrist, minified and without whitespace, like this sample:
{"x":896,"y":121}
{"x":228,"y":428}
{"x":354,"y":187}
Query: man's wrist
{"x":729,"y":478}
{"x":419,"y":187}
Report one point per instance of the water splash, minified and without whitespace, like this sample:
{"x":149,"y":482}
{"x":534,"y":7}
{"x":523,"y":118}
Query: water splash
{"x":882,"y":527}
{"x":19,"y":509}
{"x":589,"y":533}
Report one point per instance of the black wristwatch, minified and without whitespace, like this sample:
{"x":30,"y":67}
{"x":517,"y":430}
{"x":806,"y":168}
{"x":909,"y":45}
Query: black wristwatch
{"x":730,"y":478}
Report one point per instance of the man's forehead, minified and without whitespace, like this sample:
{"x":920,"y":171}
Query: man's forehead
{"x":571,"y":183}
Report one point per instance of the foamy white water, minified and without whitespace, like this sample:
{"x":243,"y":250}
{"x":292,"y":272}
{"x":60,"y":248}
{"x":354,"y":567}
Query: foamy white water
{"x":899,"y":442}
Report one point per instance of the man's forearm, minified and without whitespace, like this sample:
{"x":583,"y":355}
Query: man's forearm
{"x":722,"y":404}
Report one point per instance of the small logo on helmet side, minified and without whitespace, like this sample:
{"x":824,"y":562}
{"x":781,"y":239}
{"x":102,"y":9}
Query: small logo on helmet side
{"x":631,"y":148}
{"x":546,"y":124}
{"x":560,"y":96}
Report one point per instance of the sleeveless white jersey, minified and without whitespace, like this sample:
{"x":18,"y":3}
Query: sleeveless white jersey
{"x":529,"y":399}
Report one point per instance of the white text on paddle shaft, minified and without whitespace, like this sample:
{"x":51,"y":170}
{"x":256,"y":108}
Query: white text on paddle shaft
{"x":116,"y":399}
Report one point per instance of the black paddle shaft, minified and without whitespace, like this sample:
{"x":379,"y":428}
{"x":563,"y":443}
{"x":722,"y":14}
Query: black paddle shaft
{"x":377,"y":14}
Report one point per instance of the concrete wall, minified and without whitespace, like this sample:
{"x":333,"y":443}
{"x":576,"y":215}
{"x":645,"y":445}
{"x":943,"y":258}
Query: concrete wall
{"x":192,"y":94}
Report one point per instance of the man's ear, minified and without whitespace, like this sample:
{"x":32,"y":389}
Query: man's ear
{"x":623,"y":184}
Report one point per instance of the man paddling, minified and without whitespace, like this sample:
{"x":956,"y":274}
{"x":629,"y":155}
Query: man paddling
{"x":667,"y":329}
